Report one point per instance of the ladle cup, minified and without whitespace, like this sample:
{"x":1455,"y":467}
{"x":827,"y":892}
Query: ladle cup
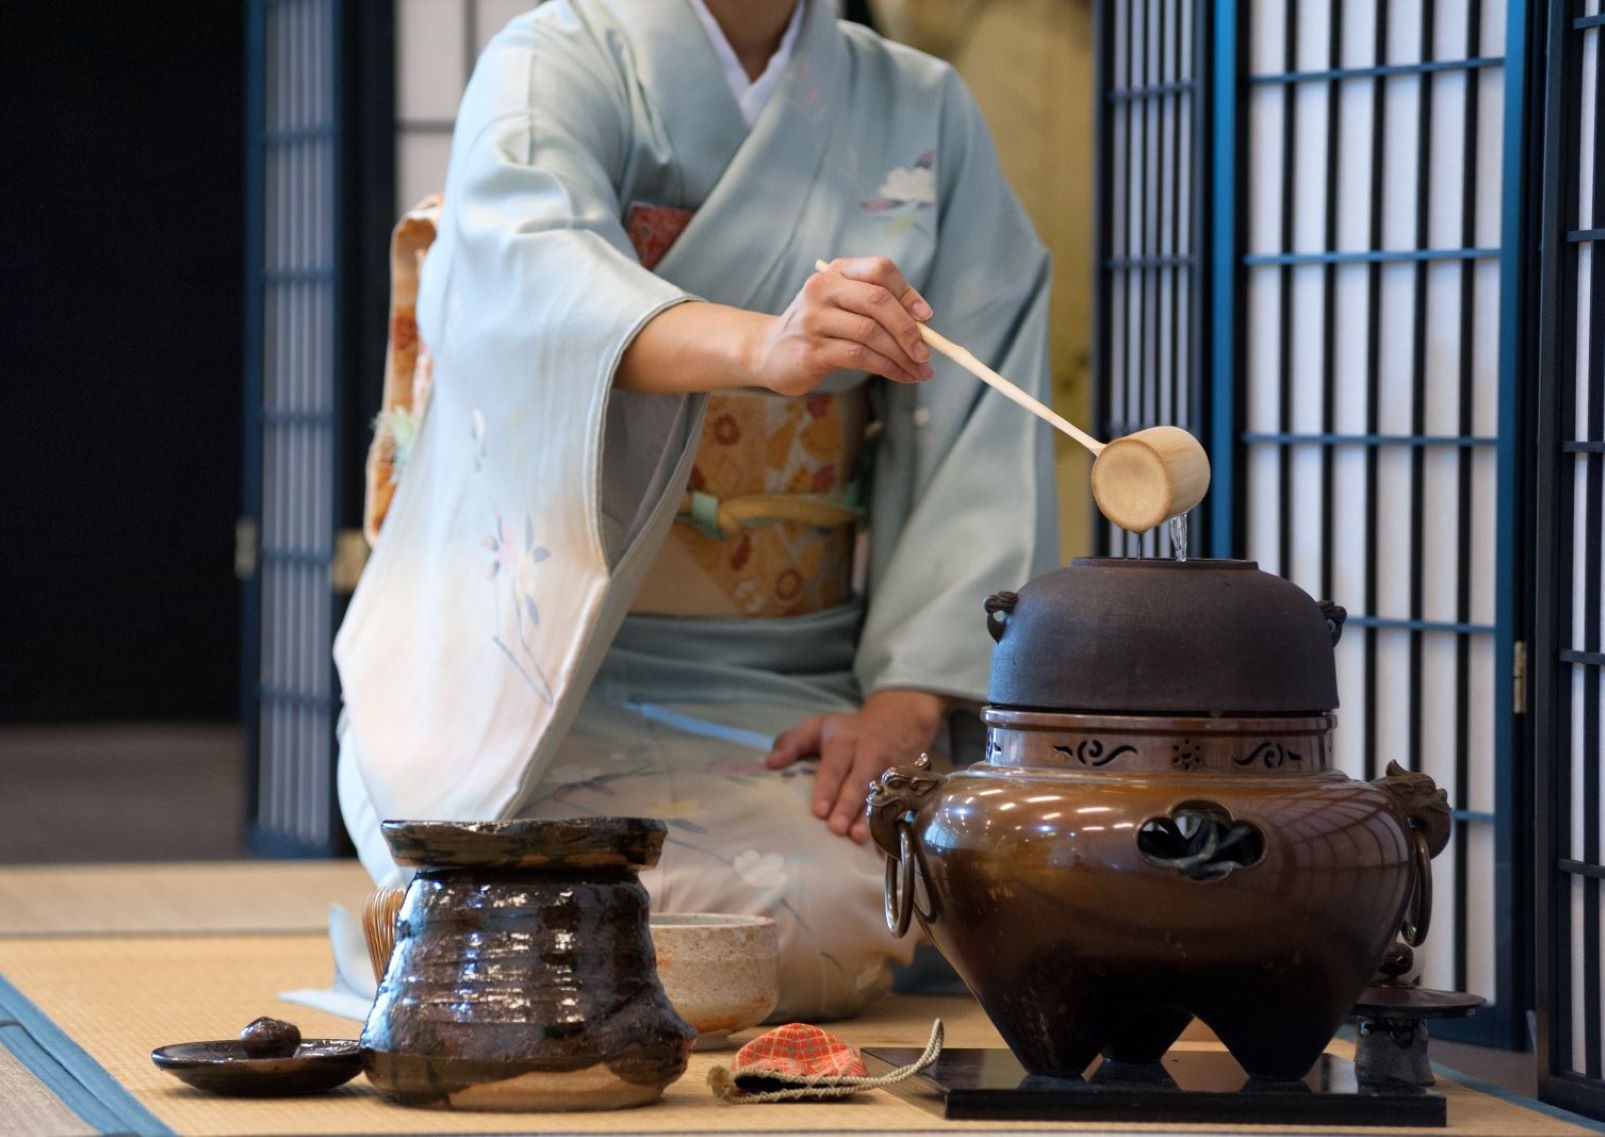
{"x":1139,"y":480}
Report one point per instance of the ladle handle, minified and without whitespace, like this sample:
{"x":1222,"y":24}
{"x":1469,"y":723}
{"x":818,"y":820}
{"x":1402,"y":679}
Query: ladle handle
{"x":966,"y":359}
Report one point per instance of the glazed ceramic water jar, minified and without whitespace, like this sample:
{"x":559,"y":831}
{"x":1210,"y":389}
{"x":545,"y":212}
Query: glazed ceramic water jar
{"x":1156,"y":831}
{"x":523,"y":975}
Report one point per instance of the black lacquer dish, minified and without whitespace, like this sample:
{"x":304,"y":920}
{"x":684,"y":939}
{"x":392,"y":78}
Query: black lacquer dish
{"x":318,"y":1065}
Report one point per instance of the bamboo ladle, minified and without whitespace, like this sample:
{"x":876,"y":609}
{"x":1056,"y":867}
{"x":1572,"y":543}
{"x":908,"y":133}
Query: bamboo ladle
{"x":1139,"y":481}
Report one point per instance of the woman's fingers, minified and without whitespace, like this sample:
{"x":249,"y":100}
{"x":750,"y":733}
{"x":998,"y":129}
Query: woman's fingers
{"x":836,"y":751}
{"x":848,"y":763}
{"x":847,"y":818}
{"x":881,"y":271}
{"x":874,"y":291}
{"x":801,"y":741}
{"x":851,"y":327}
{"x":879,"y":312}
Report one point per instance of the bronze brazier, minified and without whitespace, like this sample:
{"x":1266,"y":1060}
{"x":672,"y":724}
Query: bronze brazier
{"x":1156,"y":832}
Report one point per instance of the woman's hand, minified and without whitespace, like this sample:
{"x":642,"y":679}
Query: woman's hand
{"x":854,"y":749}
{"x":856,"y":315}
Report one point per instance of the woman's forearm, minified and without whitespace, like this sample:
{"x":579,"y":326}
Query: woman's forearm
{"x":695,"y":346}
{"x":857,"y":315}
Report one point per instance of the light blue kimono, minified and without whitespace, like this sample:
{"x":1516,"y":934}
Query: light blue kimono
{"x":489,"y":669}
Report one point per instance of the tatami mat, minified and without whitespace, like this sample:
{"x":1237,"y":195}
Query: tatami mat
{"x":167,"y":899}
{"x":29,"y":1106}
{"x":118,"y":997}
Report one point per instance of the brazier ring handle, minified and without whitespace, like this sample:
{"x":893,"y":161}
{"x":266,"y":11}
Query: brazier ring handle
{"x":900,"y":883}
{"x":1423,"y":809}
{"x":1418,"y":910}
{"x":893,"y":807}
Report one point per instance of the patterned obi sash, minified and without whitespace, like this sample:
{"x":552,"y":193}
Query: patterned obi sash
{"x":768,"y":524}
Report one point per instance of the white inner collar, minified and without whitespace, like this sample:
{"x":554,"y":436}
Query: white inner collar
{"x":752,"y":95}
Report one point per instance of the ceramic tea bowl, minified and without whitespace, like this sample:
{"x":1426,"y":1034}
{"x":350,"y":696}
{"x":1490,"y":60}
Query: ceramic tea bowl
{"x":721,"y":972}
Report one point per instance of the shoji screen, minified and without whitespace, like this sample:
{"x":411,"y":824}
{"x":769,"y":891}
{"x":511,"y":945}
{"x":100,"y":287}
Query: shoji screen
{"x":1372,"y":165}
{"x":293,"y":452}
{"x":1569,"y":655}
{"x":318,"y":213}
{"x":1150,"y":191}
{"x":1305,"y":232}
{"x":437,"y":42}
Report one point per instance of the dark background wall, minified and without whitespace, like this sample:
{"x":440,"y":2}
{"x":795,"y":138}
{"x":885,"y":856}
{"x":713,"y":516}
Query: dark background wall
{"x":121,"y":129}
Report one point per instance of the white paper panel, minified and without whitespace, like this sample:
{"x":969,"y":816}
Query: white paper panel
{"x":1493,"y":29}
{"x":1585,"y":394}
{"x":1357,"y":108}
{"x":1582,"y":508}
{"x":1402,"y":161}
{"x":1490,"y":100}
{"x":1578,"y":954}
{"x":1588,"y":74}
{"x":1484,"y":538}
{"x":1309,"y":105}
{"x":430,"y":53}
{"x":420,"y":166}
{"x":1262,"y":231}
{"x":1308,"y":546}
{"x":1264,"y":525}
{"x":1481,"y":913}
{"x":1479,"y":740}
{"x":1437,"y":956}
{"x":1436,"y":710}
{"x":1406,"y":31}
{"x":491,"y":16}
{"x":1445,"y":219}
{"x":1267,"y":38}
{"x":1395,"y":519}
{"x":1306,"y":350}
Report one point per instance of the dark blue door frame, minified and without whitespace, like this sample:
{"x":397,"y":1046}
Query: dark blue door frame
{"x":1568,"y":372}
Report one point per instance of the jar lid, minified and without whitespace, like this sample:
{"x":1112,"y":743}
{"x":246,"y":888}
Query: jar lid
{"x":1150,"y":636}
{"x":574,"y":842}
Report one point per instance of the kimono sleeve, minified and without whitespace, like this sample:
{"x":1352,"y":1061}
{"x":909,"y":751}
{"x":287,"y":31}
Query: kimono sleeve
{"x":534,"y":491}
{"x":964,"y":502}
{"x":534,"y":268}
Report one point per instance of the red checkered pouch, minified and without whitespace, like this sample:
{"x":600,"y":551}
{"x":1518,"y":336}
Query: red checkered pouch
{"x":798,"y":1062}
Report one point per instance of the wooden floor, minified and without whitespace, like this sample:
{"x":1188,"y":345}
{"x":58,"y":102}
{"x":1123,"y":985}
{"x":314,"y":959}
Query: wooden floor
{"x":164,"y":792}
{"x":121,"y":793}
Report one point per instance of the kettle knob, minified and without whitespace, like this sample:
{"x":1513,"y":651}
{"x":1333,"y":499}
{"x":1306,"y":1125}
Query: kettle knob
{"x":1335,"y":615}
{"x":998,"y":607}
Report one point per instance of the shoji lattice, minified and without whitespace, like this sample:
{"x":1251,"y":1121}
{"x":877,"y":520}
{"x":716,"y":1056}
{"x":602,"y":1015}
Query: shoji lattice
{"x":437,"y":42}
{"x":1370,"y":437}
{"x":1150,"y":192}
{"x":1569,"y":650}
{"x":1307,"y":258}
{"x":293,"y":343}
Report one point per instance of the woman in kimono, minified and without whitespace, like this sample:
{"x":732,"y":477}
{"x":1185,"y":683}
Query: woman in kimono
{"x":617,"y":575}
